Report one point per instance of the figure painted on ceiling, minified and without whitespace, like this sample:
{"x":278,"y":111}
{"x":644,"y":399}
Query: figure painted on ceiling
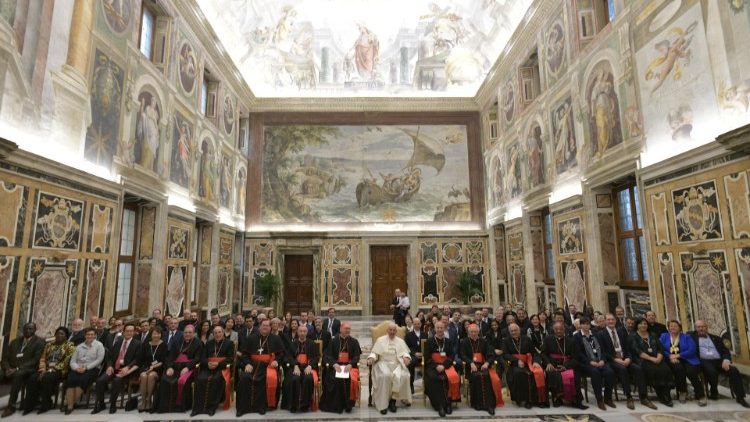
{"x":147,"y":129}
{"x":207,"y":172}
{"x":672,"y":54}
{"x":181,"y":152}
{"x":604,"y":112}
{"x":240,"y":205}
{"x":514,"y":171}
{"x":566,"y":150}
{"x":365,"y":54}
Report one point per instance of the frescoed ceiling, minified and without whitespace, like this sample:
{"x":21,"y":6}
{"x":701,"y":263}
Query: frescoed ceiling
{"x":364,"y":48}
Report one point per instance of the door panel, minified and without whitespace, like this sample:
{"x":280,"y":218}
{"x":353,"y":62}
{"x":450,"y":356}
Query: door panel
{"x":298,"y":283}
{"x":389,"y":272}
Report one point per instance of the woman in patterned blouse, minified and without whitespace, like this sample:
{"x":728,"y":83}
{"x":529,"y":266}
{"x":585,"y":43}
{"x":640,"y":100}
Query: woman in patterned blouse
{"x":53,"y":367}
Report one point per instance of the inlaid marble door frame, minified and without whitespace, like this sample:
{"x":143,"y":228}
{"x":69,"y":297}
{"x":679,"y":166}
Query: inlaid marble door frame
{"x":698,"y":228}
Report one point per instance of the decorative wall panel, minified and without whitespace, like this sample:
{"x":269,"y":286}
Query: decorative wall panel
{"x":58,"y":222}
{"x":572,"y":272}
{"x":442,"y":261}
{"x":260,"y":260}
{"x":516,"y":266}
{"x":607,"y":239}
{"x":341,"y":263}
{"x":660,"y":222}
{"x":13,"y":197}
{"x":224,"y":280}
{"x":704,"y":275}
{"x":178,"y":274}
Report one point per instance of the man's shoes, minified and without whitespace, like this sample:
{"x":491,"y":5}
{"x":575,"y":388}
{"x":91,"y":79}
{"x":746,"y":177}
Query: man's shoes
{"x":194,"y":413}
{"x":384,"y":411}
{"x":239,"y":415}
{"x":544,"y":405}
{"x":441,"y":413}
{"x":112,"y":409}
{"x":556,"y":403}
{"x":68,"y":411}
{"x":527,"y":405}
{"x":27,"y":411}
{"x":702,"y":402}
{"x":682,"y":397}
{"x":743,"y":403}
{"x":714,"y":395}
{"x":392,"y":406}
{"x":8,"y":411}
{"x":348,"y":410}
{"x":610,"y":403}
{"x":646,"y":402}
{"x":211,"y":412}
{"x":97,"y":408}
{"x":630,"y":404}
{"x":448,"y":409}
{"x":262,"y":411}
{"x":580,"y":406}
{"x":43,"y":409}
{"x":491,"y":411}
{"x":601,"y":405}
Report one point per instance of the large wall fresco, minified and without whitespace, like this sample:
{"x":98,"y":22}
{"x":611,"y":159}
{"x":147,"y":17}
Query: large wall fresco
{"x":699,"y":247}
{"x":352,"y":48}
{"x":349,"y":174}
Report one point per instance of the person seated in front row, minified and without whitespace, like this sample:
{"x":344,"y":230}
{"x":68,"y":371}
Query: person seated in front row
{"x":525,"y":375}
{"x":85,"y":365}
{"x":389,"y":362}
{"x":121,"y":363}
{"x":441,"y":381}
{"x":559,"y":360}
{"x":682,"y":357}
{"x":485,"y":390}
{"x":413,"y":340}
{"x":715,"y":359}
{"x":647,"y":352}
{"x":20,"y":363}
{"x":257,"y":387}
{"x":152,"y":361}
{"x":178,"y":376}
{"x":301,"y":374}
{"x":53,"y":367}
{"x":213,"y":382}
{"x":592,"y":364}
{"x":341,"y":356}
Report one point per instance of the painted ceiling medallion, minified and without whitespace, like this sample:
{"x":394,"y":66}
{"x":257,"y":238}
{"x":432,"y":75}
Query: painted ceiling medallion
{"x":361,"y":48}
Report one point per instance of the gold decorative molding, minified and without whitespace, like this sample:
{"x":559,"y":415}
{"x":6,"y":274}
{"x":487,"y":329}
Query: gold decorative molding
{"x":7,"y":147}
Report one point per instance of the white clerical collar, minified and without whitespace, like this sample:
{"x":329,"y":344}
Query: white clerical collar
{"x":417,"y":332}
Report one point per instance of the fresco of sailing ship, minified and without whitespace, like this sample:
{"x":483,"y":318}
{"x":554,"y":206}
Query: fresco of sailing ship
{"x":397,"y":188}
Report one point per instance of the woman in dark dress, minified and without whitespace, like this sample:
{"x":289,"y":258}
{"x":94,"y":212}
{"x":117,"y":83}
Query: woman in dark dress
{"x":495,"y":339}
{"x":175,"y":386}
{"x":647,"y":351}
{"x":204,"y":334}
{"x":152,"y":361}
{"x":536,"y":332}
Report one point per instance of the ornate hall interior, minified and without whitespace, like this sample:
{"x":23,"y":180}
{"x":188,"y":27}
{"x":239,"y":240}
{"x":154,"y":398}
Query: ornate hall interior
{"x":297,"y":156}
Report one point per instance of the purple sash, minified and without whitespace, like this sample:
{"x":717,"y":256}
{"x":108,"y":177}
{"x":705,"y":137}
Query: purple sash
{"x":568,"y":379}
{"x":182,"y":358}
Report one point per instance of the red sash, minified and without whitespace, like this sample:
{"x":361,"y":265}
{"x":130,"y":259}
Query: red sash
{"x":568,"y":378}
{"x":538,"y":373}
{"x":478,"y":358}
{"x":353,"y":376}
{"x":182,"y":379}
{"x":302,"y":360}
{"x":497,"y":386}
{"x":272,"y":379}
{"x":226,"y":374}
{"x":454,"y":382}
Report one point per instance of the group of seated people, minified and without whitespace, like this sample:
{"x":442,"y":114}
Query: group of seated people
{"x":548,"y":354}
{"x":181,"y":364}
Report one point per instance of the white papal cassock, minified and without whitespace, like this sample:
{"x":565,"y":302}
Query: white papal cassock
{"x":390,"y":377}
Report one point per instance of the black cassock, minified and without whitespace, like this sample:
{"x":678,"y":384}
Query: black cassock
{"x":436,"y":383}
{"x":299,"y":389}
{"x":481,"y":395}
{"x":337,"y":392}
{"x":559,"y":352}
{"x":210,"y":385}
{"x":520,"y":380}
{"x":259,"y":390}
{"x":168,"y":388}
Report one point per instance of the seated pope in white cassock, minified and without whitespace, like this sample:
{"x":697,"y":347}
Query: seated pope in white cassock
{"x":390,"y":374}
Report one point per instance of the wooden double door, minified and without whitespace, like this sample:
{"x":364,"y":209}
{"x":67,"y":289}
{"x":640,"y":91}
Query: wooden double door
{"x":389,"y":272}
{"x":298,"y":283}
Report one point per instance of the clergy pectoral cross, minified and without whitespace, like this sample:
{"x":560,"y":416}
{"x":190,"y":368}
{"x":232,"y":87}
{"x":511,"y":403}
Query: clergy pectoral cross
{"x":260,"y":351}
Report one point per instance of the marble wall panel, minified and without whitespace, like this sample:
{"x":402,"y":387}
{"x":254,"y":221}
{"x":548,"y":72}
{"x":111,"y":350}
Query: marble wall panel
{"x":574,"y":282}
{"x":8,"y":268}
{"x":204,"y":278}
{"x":500,"y":262}
{"x":742,"y":258}
{"x":206,"y":232}
{"x":706,"y":273}
{"x":58,"y":221}
{"x":147,"y":230}
{"x":341,"y":264}
{"x":176,"y":283}
{"x":13,"y":200}
{"x":100,"y":228}
{"x":96,"y":275}
{"x":637,"y":302}
{"x":570,"y":236}
{"x":660,"y":221}
{"x":607,"y":239}
{"x":697,"y":216}
{"x":48,"y":294}
{"x":518,"y":282}
{"x":143,"y":283}
{"x":668,"y":285}
{"x":341,"y":289}
{"x":537,"y":247}
{"x":224,"y":281}
{"x":261,"y":259}
{"x":738,"y":198}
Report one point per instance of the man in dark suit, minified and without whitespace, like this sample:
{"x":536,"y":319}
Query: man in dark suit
{"x":76,"y":332}
{"x":173,"y":336}
{"x":620,"y":317}
{"x":144,"y":335}
{"x":716,"y":359}
{"x":121,"y":361}
{"x":321,"y":334}
{"x":455,"y":327}
{"x":570,"y":314}
{"x":484,"y":327}
{"x":186,"y":320}
{"x":593,"y":365}
{"x":616,"y":353}
{"x":20,"y":362}
{"x":413,"y":339}
{"x":331,"y":324}
{"x":654,"y":328}
{"x":247,"y":330}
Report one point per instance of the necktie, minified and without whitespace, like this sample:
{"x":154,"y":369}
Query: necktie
{"x":330,"y":326}
{"x":121,"y":356}
{"x":169,"y":340}
{"x":616,"y":342}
